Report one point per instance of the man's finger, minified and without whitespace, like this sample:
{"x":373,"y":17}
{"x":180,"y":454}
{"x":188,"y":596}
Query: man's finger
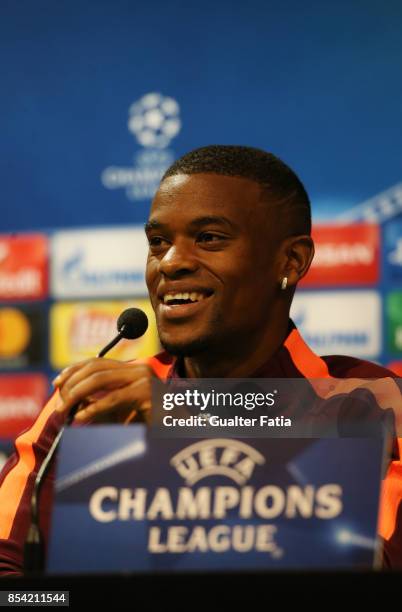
{"x":67,"y":372}
{"x":133,"y":397}
{"x":97,"y":376}
{"x":92,"y":366}
{"x":83,"y":367}
{"x":100,"y":381}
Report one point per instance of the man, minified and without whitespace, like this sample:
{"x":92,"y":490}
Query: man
{"x":229,"y":239}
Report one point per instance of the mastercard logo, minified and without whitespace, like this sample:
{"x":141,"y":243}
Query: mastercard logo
{"x":15,"y":332}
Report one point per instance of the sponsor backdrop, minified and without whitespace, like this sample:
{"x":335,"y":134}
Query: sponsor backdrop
{"x":99,"y":98}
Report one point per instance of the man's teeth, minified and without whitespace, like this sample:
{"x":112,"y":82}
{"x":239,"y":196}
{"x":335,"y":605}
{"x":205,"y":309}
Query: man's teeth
{"x":194,"y":297}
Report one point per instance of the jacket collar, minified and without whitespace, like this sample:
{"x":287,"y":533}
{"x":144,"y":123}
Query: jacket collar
{"x":293,"y":359}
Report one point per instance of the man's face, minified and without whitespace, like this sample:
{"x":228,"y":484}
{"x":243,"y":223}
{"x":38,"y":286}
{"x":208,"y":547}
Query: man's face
{"x":212,"y":269}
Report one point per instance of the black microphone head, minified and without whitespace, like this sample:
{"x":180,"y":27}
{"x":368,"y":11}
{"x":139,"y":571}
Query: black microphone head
{"x":132,"y":323}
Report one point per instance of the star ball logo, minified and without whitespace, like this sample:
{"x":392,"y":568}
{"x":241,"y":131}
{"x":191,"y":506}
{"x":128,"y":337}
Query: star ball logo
{"x":154,"y":120}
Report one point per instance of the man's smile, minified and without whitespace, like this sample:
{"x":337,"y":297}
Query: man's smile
{"x":182,"y":301}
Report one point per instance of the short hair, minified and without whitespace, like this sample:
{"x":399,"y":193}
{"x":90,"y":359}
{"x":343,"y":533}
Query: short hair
{"x":280,"y":185}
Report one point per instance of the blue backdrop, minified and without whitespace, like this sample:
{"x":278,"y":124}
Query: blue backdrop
{"x":98,"y":97}
{"x":317,"y":83}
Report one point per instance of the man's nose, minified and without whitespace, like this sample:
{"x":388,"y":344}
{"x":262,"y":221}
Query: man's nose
{"x":179,"y":260}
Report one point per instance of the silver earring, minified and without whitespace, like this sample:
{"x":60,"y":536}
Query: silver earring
{"x":284,"y":283}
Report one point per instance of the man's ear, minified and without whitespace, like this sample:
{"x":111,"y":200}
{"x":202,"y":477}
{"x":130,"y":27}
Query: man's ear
{"x":297,"y":254}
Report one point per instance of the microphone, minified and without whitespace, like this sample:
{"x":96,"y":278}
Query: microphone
{"x":132,"y":323}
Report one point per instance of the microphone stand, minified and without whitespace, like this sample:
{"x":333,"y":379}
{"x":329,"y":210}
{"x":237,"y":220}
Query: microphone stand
{"x":34,"y":557}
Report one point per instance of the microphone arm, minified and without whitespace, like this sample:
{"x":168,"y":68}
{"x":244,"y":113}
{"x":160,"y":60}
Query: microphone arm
{"x":112,"y":343}
{"x":34,"y":557}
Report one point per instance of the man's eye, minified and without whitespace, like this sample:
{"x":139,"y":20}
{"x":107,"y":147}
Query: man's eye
{"x":155,"y":241}
{"x":209,"y":237}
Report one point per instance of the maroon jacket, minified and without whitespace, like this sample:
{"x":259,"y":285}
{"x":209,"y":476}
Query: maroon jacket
{"x":294,"y":359}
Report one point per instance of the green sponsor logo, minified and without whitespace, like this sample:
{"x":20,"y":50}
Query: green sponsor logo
{"x":394,"y":318}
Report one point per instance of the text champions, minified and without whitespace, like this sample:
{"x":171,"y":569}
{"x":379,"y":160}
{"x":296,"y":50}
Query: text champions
{"x":109,"y":504}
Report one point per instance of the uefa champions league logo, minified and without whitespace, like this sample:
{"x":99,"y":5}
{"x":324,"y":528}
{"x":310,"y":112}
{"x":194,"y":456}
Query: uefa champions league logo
{"x":217,"y":457}
{"x":154,"y":120}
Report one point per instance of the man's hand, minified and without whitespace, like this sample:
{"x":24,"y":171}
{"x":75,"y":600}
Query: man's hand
{"x":109,"y":391}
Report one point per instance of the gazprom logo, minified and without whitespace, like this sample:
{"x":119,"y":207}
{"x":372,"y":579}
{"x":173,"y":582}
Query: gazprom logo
{"x":74,"y":270}
{"x":218,"y":457}
{"x":107,"y":262}
{"x":340,"y":321}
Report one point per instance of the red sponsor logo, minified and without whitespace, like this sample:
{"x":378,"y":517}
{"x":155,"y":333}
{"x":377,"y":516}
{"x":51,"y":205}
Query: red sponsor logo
{"x":91,"y":328}
{"x":22,"y":397}
{"x":23,"y":267}
{"x":344,"y":255}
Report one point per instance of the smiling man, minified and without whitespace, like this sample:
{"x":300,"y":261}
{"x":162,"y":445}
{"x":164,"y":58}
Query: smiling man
{"x":229,"y":239}
{"x":220,"y":248}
